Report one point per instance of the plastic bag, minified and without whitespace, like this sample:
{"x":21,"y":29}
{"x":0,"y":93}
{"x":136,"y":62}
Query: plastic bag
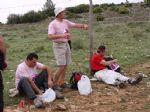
{"x":84,"y":85}
{"x":49,"y":96}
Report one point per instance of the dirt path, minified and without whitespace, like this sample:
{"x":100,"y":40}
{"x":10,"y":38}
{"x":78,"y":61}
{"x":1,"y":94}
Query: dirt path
{"x":104,"y":98}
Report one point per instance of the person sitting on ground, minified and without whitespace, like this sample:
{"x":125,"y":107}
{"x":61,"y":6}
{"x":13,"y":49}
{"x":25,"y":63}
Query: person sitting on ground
{"x":30,"y":82}
{"x":102,"y":73}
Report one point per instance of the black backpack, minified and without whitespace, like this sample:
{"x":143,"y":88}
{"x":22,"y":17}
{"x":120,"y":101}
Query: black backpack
{"x":76,"y":76}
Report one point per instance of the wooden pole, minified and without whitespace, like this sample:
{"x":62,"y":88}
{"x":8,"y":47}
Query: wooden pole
{"x":90,"y":32}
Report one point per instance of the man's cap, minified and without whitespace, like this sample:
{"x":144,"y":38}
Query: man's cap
{"x":58,"y":10}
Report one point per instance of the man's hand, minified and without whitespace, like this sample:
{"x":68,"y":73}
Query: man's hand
{"x":115,"y":60}
{"x":85,"y":26}
{"x":66,"y":35}
{"x":50,"y":84}
{"x":5,"y":64}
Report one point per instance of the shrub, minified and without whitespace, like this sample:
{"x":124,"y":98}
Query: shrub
{"x":29,"y":17}
{"x":104,"y":6}
{"x":100,"y":18}
{"x":13,"y":19}
{"x":114,"y":8}
{"x":72,"y":15}
{"x":147,"y":2}
{"x":79,"y":9}
{"x":123,"y":10}
{"x":97,"y":9}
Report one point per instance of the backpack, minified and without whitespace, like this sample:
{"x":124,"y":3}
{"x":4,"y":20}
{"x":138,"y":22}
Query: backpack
{"x":76,"y":76}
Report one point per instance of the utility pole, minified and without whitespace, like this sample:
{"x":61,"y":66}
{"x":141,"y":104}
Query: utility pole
{"x":90,"y":32}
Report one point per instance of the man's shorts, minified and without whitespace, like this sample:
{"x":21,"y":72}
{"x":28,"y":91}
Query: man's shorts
{"x":62,"y":53}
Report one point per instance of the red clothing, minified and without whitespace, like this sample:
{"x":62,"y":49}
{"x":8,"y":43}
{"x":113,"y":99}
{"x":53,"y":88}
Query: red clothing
{"x":95,"y":62}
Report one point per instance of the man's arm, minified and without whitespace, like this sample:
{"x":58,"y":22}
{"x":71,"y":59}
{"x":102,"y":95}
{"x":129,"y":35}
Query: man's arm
{"x":33,"y":85}
{"x":2,"y":46}
{"x":79,"y":25}
{"x":108,"y":62}
{"x":49,"y":71}
{"x":53,"y":36}
{"x":3,"y":50}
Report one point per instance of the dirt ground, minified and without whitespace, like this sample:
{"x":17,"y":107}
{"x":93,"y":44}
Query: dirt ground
{"x":104,"y":98}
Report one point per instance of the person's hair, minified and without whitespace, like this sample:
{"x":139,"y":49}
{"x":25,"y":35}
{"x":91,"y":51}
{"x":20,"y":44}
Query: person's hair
{"x":101,"y":48}
{"x":32,"y":55}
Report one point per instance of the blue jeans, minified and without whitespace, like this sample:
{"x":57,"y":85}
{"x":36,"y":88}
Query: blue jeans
{"x":25,"y":88}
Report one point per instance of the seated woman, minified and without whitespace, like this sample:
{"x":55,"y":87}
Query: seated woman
{"x":102,"y":73}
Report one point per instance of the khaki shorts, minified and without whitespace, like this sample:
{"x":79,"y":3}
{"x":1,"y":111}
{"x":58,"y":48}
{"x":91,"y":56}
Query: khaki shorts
{"x":62,"y":53}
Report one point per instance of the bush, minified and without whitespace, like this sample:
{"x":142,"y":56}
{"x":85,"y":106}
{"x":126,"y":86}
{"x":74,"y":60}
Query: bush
{"x":114,"y":8}
{"x":147,"y":2}
{"x":29,"y":17}
{"x":13,"y":19}
{"x":123,"y":10}
{"x":72,"y":15}
{"x":78,"y":9}
{"x":97,"y":9}
{"x":100,"y":18}
{"x":104,"y":6}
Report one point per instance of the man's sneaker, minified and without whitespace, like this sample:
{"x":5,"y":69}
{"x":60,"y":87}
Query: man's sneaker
{"x":59,"y":95}
{"x":38,"y":102}
{"x":138,"y":78}
{"x":57,"y":87}
{"x":122,"y":85}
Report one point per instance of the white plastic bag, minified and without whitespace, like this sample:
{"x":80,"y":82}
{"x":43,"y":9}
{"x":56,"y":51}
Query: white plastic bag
{"x":49,"y":96}
{"x":84,"y":85}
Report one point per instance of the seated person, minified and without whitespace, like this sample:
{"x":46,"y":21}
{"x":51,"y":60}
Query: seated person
{"x":30,"y":82}
{"x":98,"y":65}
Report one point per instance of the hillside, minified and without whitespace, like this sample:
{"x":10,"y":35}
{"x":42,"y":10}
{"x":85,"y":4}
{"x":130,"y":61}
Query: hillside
{"x":128,"y":41}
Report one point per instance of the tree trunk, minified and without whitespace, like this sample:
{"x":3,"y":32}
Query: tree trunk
{"x":90,"y":32}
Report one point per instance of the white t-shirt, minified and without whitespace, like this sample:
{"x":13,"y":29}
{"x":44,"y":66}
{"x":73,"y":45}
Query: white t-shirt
{"x":23,"y":70}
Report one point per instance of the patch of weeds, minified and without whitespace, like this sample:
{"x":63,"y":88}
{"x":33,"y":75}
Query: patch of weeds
{"x":138,"y":35}
{"x":24,"y":36}
{"x":123,"y":99}
{"x":39,"y":49}
{"x":147,"y":106}
{"x":78,"y":44}
{"x":147,"y":30}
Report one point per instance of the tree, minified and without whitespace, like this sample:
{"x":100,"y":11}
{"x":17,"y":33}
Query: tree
{"x":49,"y":8}
{"x":91,"y":31}
{"x":49,"y":5}
{"x":147,"y":2}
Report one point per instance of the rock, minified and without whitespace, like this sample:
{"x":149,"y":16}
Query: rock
{"x":61,"y":107}
{"x":66,"y":100}
{"x":32,"y":107}
{"x":72,"y":106}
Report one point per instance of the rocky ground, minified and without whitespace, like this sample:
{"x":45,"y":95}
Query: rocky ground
{"x":104,"y":98}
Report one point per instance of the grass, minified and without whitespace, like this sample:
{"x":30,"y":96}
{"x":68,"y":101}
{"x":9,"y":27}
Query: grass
{"x":128,"y":42}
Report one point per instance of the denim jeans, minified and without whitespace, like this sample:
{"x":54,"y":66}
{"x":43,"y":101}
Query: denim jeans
{"x":41,"y":81}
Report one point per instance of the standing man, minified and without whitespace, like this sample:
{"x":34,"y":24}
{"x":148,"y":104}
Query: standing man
{"x":3,"y":65}
{"x":59,"y":33}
